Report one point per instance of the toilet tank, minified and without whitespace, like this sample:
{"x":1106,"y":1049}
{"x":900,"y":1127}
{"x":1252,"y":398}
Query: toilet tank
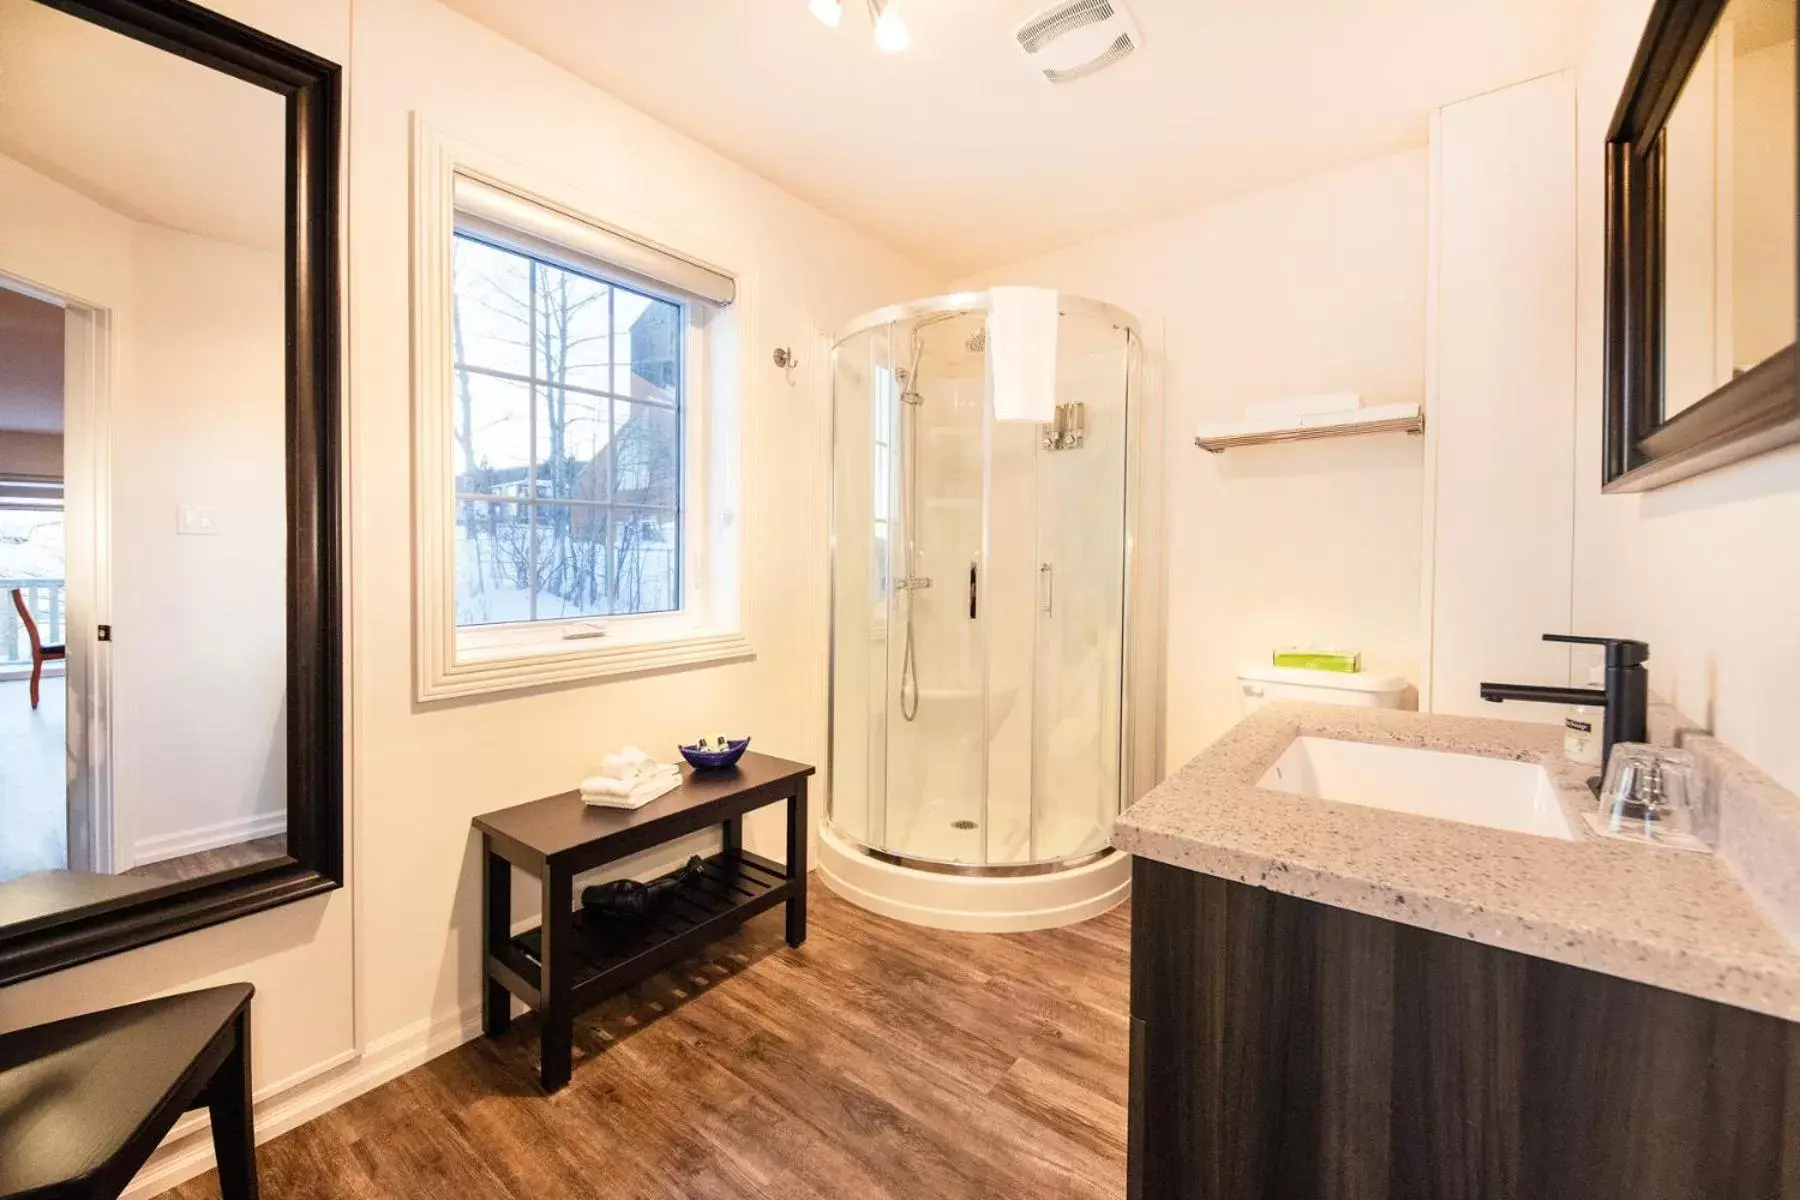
{"x":1258,"y":686}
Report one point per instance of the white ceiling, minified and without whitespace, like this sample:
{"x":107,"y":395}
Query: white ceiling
{"x":31,"y":365}
{"x":957,"y":152}
{"x":152,"y":136}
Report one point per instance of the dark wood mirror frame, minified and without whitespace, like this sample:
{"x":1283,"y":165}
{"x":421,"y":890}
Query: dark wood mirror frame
{"x":1754,"y":413}
{"x":314,"y":862}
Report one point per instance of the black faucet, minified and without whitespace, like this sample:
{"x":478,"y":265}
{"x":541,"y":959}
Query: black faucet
{"x":1626,"y":696}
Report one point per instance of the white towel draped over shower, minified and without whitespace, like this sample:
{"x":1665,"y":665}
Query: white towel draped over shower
{"x":1021,"y":353}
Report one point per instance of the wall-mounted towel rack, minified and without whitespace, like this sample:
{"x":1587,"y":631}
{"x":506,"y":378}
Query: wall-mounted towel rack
{"x":1382,"y":418}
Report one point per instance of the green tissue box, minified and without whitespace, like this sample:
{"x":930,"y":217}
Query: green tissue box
{"x":1347,"y":661}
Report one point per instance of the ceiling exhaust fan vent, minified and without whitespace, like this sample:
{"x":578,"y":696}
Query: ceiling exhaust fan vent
{"x":1077,"y":38}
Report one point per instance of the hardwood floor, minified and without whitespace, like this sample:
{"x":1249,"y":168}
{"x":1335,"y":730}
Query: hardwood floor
{"x":210,"y":862}
{"x":877,"y":1061}
{"x":33,"y":787}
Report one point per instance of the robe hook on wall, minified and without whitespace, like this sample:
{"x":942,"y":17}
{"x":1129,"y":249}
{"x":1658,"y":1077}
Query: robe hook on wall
{"x":786,"y":359}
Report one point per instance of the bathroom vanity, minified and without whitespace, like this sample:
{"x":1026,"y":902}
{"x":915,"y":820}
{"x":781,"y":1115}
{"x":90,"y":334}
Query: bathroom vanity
{"x":1405,"y":995}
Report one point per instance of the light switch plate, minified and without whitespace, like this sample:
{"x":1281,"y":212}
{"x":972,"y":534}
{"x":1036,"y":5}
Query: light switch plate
{"x":195,"y":519}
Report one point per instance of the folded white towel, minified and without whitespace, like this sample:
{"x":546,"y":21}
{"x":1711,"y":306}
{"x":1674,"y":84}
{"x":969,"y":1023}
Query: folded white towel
{"x":1296,"y":407}
{"x":1021,"y":353}
{"x":629,"y":779}
{"x":632,"y":797}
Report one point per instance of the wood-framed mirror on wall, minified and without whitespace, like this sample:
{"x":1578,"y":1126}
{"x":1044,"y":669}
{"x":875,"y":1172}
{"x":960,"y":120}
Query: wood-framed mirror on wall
{"x":171,"y":735}
{"x":1701,"y":264}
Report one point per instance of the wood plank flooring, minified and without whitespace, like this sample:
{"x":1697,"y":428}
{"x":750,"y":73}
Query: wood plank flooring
{"x":879,"y":1061}
{"x":211,"y":862}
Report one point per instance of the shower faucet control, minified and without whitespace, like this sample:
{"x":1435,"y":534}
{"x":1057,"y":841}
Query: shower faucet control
{"x":912,"y":583}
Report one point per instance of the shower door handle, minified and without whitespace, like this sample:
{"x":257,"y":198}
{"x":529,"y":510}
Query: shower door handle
{"x":1047,"y":585}
{"x":972,"y":589}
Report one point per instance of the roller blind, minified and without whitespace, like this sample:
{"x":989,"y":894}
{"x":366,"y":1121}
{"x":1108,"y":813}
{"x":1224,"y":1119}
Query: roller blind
{"x":490,"y":213}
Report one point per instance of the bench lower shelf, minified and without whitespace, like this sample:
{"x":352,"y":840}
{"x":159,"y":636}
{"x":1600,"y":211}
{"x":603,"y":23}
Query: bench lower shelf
{"x":609,"y":956}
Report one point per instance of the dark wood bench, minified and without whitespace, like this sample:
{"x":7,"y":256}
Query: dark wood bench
{"x":567,"y":962}
{"x":84,"y":1101}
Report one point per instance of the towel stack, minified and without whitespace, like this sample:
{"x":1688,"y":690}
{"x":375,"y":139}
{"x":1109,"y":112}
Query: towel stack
{"x":629,"y":779}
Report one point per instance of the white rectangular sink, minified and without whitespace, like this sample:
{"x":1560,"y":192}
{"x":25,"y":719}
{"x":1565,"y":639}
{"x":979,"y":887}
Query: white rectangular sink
{"x":1496,"y":792}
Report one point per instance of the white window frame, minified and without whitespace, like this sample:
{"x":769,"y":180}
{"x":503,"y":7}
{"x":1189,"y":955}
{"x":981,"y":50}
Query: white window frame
{"x":713,"y":623}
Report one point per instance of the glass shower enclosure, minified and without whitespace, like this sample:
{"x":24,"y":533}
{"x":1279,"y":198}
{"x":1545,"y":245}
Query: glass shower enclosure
{"x":980,"y":571}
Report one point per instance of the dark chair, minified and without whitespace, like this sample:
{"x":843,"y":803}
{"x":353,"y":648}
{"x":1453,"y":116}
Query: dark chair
{"x":84,"y":1101}
{"x":40,"y":653}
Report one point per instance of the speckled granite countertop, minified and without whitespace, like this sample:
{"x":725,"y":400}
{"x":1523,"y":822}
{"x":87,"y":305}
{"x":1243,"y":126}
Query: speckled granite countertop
{"x":1675,"y":920}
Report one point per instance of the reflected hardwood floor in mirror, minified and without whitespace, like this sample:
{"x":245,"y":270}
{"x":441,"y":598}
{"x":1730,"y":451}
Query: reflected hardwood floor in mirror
{"x":878,"y":1061}
{"x":210,"y":862}
{"x":33,"y":836}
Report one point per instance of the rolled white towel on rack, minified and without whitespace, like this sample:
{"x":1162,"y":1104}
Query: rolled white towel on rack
{"x":1298,"y":408}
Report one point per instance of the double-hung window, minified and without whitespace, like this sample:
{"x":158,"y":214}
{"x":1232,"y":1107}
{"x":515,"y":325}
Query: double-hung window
{"x":576,"y":412}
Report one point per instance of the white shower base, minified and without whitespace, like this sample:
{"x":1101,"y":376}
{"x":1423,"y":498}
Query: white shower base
{"x":977,"y":904}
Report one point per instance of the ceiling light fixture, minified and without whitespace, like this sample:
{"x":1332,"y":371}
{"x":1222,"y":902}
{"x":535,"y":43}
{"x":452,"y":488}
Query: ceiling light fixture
{"x":891,"y":35}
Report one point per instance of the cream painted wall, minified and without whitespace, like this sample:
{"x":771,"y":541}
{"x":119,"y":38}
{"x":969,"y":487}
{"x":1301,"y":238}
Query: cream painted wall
{"x":200,"y":658}
{"x":198,"y":737}
{"x":424,"y":771}
{"x":1500,"y":497}
{"x":1316,"y":286}
{"x":1704,"y":570}
{"x":39,"y":454}
{"x":356,"y":1008}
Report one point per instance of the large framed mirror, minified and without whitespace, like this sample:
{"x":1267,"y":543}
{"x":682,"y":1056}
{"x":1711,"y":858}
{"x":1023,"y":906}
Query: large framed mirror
{"x":171,"y":747}
{"x":1701,"y":252}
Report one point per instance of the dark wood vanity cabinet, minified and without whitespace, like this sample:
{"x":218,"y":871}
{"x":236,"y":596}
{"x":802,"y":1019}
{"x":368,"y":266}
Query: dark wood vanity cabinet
{"x":1286,"y":1050}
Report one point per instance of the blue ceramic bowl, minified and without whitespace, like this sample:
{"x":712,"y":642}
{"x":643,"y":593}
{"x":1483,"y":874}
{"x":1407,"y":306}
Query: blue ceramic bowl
{"x":713,"y":760}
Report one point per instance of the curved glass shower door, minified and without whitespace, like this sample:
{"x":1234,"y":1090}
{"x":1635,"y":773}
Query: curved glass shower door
{"x":978,"y":597}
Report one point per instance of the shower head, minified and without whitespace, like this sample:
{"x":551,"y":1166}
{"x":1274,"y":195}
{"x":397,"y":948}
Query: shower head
{"x":977,"y":342}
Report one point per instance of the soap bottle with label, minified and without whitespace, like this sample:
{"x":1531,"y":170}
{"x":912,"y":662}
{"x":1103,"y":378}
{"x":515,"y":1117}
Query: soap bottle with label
{"x":1584,"y":738}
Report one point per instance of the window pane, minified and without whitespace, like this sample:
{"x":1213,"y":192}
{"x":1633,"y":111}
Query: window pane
{"x":572,"y":328}
{"x":581,"y":510}
{"x":646,"y":347}
{"x":492,"y":423}
{"x":572,"y":562}
{"x":492,"y":562}
{"x":31,"y":545}
{"x":573,"y":432}
{"x":490,"y":308}
{"x":647,"y":552}
{"x":646,"y":455}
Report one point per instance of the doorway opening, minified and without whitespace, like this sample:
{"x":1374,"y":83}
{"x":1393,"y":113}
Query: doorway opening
{"x":34,"y":742}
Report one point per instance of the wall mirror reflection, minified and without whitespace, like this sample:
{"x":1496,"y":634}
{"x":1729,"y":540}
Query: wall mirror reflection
{"x":1728,"y":228}
{"x":1700,"y":240}
{"x":159,"y":461}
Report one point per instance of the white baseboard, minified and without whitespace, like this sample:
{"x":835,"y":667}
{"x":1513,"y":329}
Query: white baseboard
{"x":234,"y":832}
{"x":282,"y":1106}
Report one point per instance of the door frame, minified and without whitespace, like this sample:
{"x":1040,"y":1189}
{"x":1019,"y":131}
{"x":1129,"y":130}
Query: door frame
{"x":88,"y":357}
